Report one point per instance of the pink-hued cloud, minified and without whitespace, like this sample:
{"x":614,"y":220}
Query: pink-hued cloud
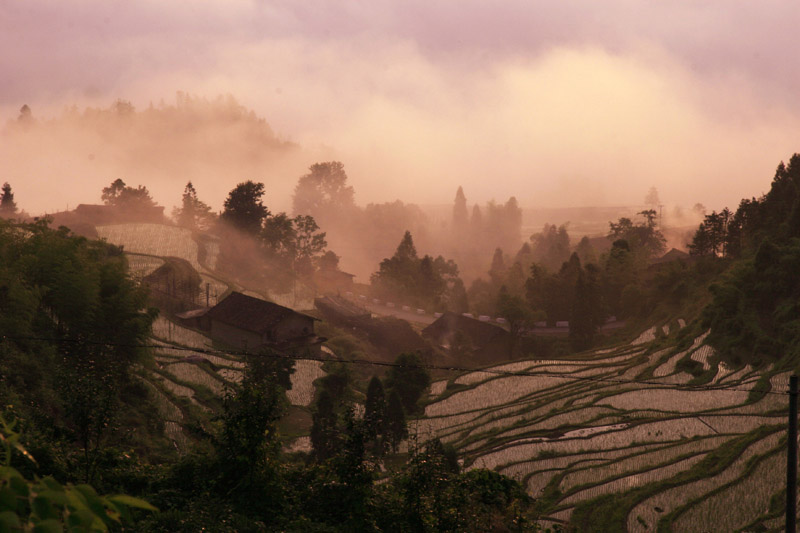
{"x":558,"y":103}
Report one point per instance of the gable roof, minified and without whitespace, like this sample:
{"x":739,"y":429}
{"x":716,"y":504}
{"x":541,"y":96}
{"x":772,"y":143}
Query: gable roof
{"x":673,"y":255}
{"x":480,"y":333}
{"x":341,"y":307}
{"x":251,"y":314}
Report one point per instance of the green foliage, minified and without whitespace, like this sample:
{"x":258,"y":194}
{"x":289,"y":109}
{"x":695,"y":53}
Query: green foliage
{"x":45,"y":505}
{"x":8,"y":207}
{"x":124,"y":197}
{"x":193,"y":213}
{"x":323,"y":193}
{"x":250,"y":413}
{"x":243,"y":208}
{"x":644,"y":238}
{"x":425,"y":282}
{"x":755,"y":316}
{"x":395,"y":428}
{"x":409,"y":379}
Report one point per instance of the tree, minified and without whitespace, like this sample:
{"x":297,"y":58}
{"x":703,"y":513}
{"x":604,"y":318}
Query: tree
{"x":551,"y":246}
{"x":457,"y":301}
{"x":295,"y":242}
{"x":309,"y":242}
{"x":586,"y":251}
{"x":460,"y":213}
{"x":8,"y":207}
{"x":643,"y":238}
{"x":328,"y":261}
{"x":498,"y":270}
{"x":422,"y":282}
{"x":324,"y":430}
{"x":409,"y":379}
{"x":375,"y":414}
{"x":476,"y":221}
{"x":652,"y":197}
{"x":323,"y":192}
{"x":124,"y":197}
{"x":243,"y":209}
{"x":582,"y":322}
{"x":517,"y":314}
{"x":193,"y":213}
{"x":25,"y":115}
{"x":396,"y":429}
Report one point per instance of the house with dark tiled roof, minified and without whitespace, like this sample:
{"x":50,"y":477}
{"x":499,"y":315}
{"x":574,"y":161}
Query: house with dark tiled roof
{"x":249,"y":323}
{"x":487,"y":341}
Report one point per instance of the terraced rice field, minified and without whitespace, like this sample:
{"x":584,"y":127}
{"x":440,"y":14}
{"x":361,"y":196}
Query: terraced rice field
{"x":182,"y":373}
{"x":153,"y":239}
{"x":676,"y":453}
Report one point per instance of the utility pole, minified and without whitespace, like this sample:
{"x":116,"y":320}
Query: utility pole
{"x":791,"y":460}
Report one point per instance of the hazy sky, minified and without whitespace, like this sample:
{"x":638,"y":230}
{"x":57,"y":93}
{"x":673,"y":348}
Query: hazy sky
{"x":560,"y":103}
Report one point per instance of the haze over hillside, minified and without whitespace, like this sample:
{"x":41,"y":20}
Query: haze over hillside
{"x":568,"y":104}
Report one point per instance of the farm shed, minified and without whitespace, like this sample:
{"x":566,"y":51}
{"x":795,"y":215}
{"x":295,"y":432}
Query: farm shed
{"x":251,"y":323}
{"x":488,"y":341}
{"x":174,"y":285}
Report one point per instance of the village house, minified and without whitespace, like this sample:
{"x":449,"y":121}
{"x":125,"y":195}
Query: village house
{"x":249,"y":324}
{"x":332,"y":281}
{"x":485,"y":341}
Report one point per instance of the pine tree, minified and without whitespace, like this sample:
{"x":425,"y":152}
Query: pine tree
{"x":460,"y":213}
{"x":193,"y":213}
{"x":8,"y":207}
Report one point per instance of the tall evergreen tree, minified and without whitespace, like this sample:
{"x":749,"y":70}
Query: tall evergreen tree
{"x":460,"y":213}
{"x":193,"y":213}
{"x":8,"y":207}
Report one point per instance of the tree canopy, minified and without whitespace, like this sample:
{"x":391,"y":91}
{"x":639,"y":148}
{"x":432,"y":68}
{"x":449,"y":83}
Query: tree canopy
{"x":244,"y":209}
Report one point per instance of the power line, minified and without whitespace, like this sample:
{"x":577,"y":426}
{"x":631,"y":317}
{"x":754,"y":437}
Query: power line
{"x":360,"y":361}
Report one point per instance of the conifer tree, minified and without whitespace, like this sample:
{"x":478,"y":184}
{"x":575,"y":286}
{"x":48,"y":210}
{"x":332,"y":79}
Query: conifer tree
{"x":8,"y":207}
{"x":460,"y":213}
{"x":193,"y":213}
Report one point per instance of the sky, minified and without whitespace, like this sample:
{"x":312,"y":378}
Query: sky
{"x":559,"y":103}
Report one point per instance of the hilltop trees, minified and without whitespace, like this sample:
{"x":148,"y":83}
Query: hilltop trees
{"x":8,"y":207}
{"x":643,"y":238}
{"x":427,"y":281}
{"x":120,"y":195}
